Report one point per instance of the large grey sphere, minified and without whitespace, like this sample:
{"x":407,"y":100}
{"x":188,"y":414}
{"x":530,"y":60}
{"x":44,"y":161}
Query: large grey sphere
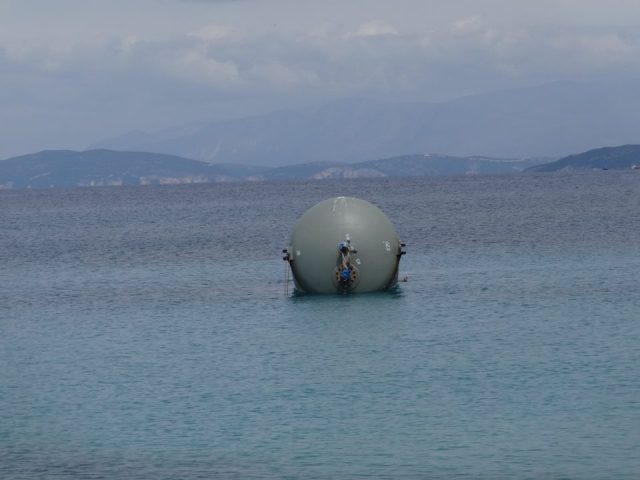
{"x":344,"y":244}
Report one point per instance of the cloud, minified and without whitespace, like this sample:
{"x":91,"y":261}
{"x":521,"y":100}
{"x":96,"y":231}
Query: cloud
{"x":373,"y":29}
{"x":373,"y":58}
{"x":212,"y":32}
{"x":599,"y":49}
{"x":200,"y":1}
{"x":132,"y":80}
{"x":197,"y":66}
{"x":472,"y":25}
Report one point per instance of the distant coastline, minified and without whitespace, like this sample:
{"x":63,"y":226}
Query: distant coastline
{"x":103,"y":167}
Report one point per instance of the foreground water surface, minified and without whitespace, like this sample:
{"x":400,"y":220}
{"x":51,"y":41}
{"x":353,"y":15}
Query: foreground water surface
{"x":145,"y":333}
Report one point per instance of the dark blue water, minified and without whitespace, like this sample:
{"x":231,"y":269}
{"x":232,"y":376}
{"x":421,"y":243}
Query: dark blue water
{"x":145,"y":334}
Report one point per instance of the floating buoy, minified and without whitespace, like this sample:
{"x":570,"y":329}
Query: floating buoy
{"x":344,"y":244}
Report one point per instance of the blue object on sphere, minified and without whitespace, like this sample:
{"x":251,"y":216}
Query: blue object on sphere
{"x":345,"y":274}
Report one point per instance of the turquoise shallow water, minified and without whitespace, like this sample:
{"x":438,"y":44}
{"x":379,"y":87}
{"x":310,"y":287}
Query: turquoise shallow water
{"x":145,"y":333}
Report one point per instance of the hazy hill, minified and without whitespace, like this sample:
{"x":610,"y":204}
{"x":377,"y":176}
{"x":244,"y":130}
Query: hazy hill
{"x":547,"y":121}
{"x":608,"y":158}
{"x":402,"y":166}
{"x":63,"y":168}
{"x":433,"y":165}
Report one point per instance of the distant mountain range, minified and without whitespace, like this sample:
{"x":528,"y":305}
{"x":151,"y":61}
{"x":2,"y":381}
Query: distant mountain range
{"x":608,"y":158}
{"x":551,"y":120}
{"x":65,"y":168}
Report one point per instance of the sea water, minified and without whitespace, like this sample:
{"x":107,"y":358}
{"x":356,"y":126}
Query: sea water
{"x":145,"y":333}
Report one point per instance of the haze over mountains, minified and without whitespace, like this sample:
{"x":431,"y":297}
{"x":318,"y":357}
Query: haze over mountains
{"x":497,"y":133}
{"x":66,"y":168}
{"x":551,"y":120}
{"x":608,"y":158}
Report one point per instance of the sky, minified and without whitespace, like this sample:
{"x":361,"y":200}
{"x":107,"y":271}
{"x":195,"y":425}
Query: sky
{"x":74,"y":72}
